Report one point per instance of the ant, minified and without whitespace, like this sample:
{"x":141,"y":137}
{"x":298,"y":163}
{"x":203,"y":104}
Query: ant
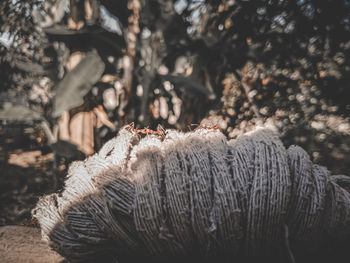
{"x":215,"y":127}
{"x":160,"y":130}
{"x":30,"y":223}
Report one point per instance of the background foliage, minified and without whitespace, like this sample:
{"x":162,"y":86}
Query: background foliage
{"x":234,"y":64}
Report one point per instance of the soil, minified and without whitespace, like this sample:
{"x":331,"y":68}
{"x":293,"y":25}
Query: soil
{"x":24,"y":244}
{"x":26,"y":173}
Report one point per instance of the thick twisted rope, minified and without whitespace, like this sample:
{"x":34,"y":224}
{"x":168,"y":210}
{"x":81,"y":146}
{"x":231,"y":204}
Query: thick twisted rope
{"x":194,"y":195}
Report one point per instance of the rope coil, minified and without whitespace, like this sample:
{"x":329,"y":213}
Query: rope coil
{"x":196,"y":195}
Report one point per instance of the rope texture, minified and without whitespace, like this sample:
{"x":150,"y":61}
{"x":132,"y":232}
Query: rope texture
{"x":193,"y":195}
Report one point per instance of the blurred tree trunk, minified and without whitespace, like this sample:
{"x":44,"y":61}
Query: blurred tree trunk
{"x":77,"y":14}
{"x":128,"y":60}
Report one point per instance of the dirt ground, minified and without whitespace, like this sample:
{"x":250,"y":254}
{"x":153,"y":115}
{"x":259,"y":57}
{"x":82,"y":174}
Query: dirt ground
{"x":25,"y":174}
{"x":24,"y":244}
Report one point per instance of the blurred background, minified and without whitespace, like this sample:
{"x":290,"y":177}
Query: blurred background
{"x":73,"y":72}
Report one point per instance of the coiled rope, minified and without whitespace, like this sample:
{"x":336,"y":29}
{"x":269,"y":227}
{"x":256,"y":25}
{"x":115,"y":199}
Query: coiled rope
{"x":194,"y":195}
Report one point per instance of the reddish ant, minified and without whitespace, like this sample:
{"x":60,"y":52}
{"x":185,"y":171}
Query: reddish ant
{"x":215,"y":127}
{"x":160,"y":130}
{"x":30,"y":223}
